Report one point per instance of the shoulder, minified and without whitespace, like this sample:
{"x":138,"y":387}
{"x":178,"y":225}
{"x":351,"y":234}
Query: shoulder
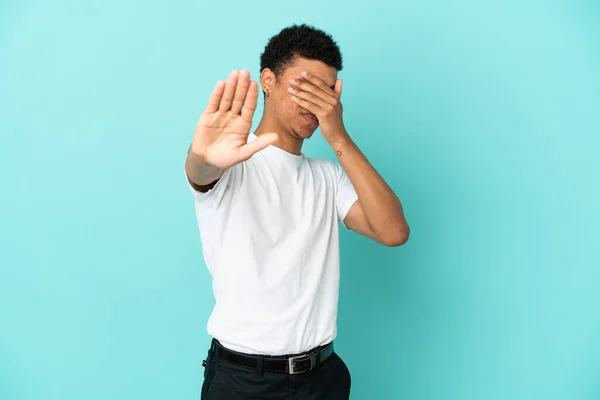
{"x":329,"y":167}
{"x":320,"y":162}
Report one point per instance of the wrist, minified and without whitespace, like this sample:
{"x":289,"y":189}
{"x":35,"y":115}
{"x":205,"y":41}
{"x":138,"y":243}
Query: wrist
{"x":339,"y":141}
{"x":196,"y":157}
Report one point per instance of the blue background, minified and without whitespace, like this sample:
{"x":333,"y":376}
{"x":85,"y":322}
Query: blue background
{"x":482,"y":116}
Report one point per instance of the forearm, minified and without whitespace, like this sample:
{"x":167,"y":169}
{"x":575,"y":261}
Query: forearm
{"x":199,"y":171}
{"x":382,"y":208}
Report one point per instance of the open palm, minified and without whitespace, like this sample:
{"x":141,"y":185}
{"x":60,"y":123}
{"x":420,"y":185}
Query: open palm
{"x":221,"y":135}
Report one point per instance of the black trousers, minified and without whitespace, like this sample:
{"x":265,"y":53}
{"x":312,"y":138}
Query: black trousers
{"x":226,"y":381}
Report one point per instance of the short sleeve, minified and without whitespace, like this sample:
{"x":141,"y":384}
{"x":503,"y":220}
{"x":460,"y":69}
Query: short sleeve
{"x":345,"y":195}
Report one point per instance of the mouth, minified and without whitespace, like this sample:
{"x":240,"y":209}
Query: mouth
{"x":311,"y":119}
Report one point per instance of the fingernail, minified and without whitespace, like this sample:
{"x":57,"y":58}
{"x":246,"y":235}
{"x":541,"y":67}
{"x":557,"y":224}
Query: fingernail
{"x":290,"y":90}
{"x":293,"y":81}
{"x":304,"y":73}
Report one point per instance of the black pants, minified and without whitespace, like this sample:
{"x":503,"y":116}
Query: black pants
{"x":226,"y":381}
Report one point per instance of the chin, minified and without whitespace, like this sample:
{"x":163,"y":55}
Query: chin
{"x":305,"y":132}
{"x":306,"y":135}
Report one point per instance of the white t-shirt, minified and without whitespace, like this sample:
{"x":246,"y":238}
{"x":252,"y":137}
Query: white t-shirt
{"x":269,"y":233}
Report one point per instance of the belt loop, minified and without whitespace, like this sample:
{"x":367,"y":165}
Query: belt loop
{"x":259,"y":367}
{"x":318,"y":360}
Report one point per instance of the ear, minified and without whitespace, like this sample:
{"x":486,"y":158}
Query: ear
{"x":267,"y":79}
{"x":338,"y":87}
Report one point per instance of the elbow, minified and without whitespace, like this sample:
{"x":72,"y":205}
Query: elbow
{"x":398,"y":237}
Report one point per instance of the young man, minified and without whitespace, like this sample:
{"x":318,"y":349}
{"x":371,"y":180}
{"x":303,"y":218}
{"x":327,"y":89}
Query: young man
{"x":268,"y":219}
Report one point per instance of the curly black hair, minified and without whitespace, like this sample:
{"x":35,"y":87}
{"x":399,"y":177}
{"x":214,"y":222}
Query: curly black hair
{"x":300,"y":40}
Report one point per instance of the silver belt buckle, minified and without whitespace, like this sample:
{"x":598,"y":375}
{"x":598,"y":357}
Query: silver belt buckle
{"x":311,"y":357}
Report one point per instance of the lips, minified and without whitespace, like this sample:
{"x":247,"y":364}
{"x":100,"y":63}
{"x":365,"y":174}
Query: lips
{"x":311,"y":119}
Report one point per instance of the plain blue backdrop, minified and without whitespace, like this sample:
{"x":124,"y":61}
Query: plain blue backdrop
{"x":483,"y":116}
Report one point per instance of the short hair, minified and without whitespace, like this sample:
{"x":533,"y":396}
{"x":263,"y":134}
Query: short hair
{"x":300,"y":41}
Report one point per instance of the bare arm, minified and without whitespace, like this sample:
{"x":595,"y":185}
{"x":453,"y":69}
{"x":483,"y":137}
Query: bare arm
{"x":202,"y":176}
{"x":378,"y":213}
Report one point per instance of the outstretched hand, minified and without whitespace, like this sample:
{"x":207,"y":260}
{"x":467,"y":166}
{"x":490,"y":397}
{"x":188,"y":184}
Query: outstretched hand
{"x":221,"y":135}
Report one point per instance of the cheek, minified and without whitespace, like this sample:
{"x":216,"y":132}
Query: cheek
{"x":288,"y":109}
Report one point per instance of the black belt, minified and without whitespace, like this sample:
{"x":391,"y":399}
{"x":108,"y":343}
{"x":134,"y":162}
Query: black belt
{"x":294,"y":364}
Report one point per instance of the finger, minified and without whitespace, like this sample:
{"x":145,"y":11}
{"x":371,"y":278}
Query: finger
{"x":227,"y":98}
{"x":215,"y":98}
{"x":313,"y":108}
{"x":256,"y":145}
{"x":316,"y":100}
{"x":311,"y":88}
{"x":315,"y":80}
{"x":250,"y":102}
{"x":338,"y":87}
{"x":240,"y":91}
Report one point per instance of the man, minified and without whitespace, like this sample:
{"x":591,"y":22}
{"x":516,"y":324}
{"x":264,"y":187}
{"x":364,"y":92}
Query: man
{"x":268,"y":219}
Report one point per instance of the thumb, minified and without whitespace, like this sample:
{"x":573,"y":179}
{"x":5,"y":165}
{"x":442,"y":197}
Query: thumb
{"x":338,"y":87}
{"x":261,"y":142}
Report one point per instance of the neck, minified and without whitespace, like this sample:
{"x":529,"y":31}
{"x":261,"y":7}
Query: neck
{"x":287,"y":141}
